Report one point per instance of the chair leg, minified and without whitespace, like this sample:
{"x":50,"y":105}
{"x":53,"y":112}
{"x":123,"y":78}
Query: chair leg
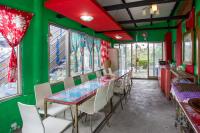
{"x":111,"y":105}
{"x":91,"y":123}
{"x":85,"y":117}
{"x":125,"y":95}
{"x":121,"y":102}
{"x":65,"y":114}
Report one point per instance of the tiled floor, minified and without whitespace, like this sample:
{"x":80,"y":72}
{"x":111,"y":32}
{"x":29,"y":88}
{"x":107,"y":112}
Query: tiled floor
{"x":147,"y":111}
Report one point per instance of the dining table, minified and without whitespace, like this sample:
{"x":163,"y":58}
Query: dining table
{"x":74,"y":96}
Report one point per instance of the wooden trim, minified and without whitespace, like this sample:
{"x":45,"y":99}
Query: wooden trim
{"x":198,"y":44}
{"x":196,"y":22}
{"x":192,"y":37}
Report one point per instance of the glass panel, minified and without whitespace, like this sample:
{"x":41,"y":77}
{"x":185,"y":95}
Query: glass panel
{"x":155,"y":54}
{"x":128,"y":56}
{"x":88,"y":54}
{"x":122,"y":60}
{"x":76,"y":53}
{"x":97,"y":54}
{"x":6,"y":89}
{"x":57,"y":47}
{"x":116,"y":45}
{"x":140,"y":60}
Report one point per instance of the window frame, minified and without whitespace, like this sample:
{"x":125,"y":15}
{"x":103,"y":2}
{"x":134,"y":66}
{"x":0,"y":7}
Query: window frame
{"x":68,"y":52}
{"x":101,"y":67}
{"x":19,"y":74}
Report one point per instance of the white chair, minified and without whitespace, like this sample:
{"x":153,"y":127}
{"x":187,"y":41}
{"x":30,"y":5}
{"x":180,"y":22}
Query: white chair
{"x":95,"y":104}
{"x":110,"y":71}
{"x":84,"y":78}
{"x":68,"y":82}
{"x":109,"y":94}
{"x":32,"y":122}
{"x":42,"y":91}
{"x":122,"y":89}
{"x":129,"y":81}
{"x":98,"y":74}
{"x":105,"y":72}
{"x":110,"y":90}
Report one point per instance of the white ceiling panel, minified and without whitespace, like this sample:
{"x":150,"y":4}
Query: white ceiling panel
{"x":119,"y":15}
{"x":165,"y":9}
{"x":109,"y":2}
{"x":143,"y":23}
{"x":128,"y":1}
{"x":128,"y":25}
{"x":137,"y":12}
{"x":122,"y":15}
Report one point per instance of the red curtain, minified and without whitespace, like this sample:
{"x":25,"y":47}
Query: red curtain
{"x":190,"y":22}
{"x":13,"y":25}
{"x":168,"y":46}
{"x":179,"y":45}
{"x":104,"y":51}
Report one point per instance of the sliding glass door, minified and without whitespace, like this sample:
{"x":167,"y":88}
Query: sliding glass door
{"x":124,"y":56}
{"x":155,"y":54}
{"x":140,"y":60}
{"x":142,"y":57}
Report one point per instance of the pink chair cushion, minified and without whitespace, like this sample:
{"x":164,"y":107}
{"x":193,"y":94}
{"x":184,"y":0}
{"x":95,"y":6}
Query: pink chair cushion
{"x":189,"y":69}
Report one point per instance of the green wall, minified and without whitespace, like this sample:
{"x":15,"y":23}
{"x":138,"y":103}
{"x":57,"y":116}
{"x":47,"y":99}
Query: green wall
{"x":197,"y":9}
{"x":34,"y":49}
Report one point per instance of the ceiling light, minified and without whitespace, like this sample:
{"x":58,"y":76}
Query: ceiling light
{"x":157,"y":12}
{"x":118,"y":37}
{"x":151,"y":11}
{"x":154,"y":7}
{"x":86,"y":18}
{"x":144,"y":12}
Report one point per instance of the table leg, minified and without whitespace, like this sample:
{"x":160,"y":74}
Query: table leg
{"x":45,"y":108}
{"x":111,"y":105}
{"x":76,"y":119}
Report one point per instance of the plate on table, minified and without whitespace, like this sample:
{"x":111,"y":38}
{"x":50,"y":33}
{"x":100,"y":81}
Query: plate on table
{"x":195,"y":104}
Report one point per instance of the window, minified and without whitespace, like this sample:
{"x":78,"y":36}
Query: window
{"x":97,"y":54}
{"x":58,"y":43}
{"x":128,"y":56}
{"x":77,"y":45}
{"x":7,"y":89}
{"x":88,"y":54}
{"x":72,"y":53}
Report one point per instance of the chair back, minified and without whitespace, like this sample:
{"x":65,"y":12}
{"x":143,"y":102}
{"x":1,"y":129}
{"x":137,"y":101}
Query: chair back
{"x":68,"y":82}
{"x":104,"y":72}
{"x":42,"y":91}
{"x":110,"y":90}
{"x":129,"y":77}
{"x":110,"y":71}
{"x":84,"y":78}
{"x":98,"y":74}
{"x":100,"y":99}
{"x":124,"y":83}
{"x":32,"y":122}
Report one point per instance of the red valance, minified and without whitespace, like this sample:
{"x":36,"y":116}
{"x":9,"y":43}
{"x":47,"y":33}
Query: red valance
{"x":190,"y":22}
{"x":179,"y":45}
{"x":13,"y":26}
{"x":168,"y":46}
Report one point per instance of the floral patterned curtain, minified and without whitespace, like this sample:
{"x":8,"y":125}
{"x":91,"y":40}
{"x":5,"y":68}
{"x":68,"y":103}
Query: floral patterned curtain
{"x":89,"y":45}
{"x":97,"y":45}
{"x":13,"y":26}
{"x":104,"y":51}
